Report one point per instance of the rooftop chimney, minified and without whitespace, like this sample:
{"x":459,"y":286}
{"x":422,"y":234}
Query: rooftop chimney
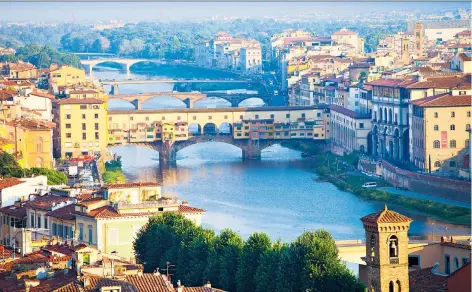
{"x":207,"y":285}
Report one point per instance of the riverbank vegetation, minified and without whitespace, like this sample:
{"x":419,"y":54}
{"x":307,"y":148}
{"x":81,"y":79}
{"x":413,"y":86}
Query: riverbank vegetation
{"x":9,"y":167}
{"x":198,"y":255}
{"x":342,"y":172}
{"x":112,"y":172}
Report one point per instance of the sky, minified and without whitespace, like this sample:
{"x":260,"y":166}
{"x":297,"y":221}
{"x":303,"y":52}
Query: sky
{"x":90,"y":12}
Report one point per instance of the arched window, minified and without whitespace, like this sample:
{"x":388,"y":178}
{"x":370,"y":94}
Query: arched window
{"x":390,"y":116}
{"x":372,"y":247}
{"x":467,"y":127}
{"x":436,"y":144}
{"x":436,"y":127}
{"x":380,"y":114}
{"x":435,"y":115}
{"x":399,"y":286}
{"x":393,"y":247}
{"x":391,"y":287}
{"x":39,"y":162}
{"x":452,"y":127}
{"x":39,"y":144}
{"x":437,"y":163}
{"x":452,"y":144}
{"x":452,"y":163}
{"x":385,"y":114}
{"x":453,"y":114}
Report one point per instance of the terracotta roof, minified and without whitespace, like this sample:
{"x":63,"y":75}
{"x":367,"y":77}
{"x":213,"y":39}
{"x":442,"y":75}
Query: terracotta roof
{"x":5,"y":141}
{"x":425,"y":280}
{"x":80,"y":101}
{"x":65,"y":213}
{"x":95,"y":283}
{"x":348,"y":112}
{"x":450,"y":82}
{"x":15,"y":211}
{"x":62,"y":249}
{"x":39,"y":257}
{"x":444,"y":100}
{"x":189,"y":209}
{"x":32,"y":124}
{"x":7,"y":94}
{"x":42,"y":93}
{"x":150,"y":283}
{"x":464,"y":33}
{"x":9,"y":182}
{"x":344,"y":31}
{"x":388,"y":82}
{"x":132,"y":185}
{"x":201,"y":289}
{"x":46,"y":202}
{"x":90,"y":201}
{"x":386,"y":216}
{"x":6,"y":252}
{"x":82,"y":91}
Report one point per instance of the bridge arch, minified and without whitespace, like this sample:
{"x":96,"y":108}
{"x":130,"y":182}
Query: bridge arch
{"x":170,"y":102}
{"x":154,"y":64}
{"x":225,"y":128}
{"x":195,"y":129}
{"x":210,"y":129}
{"x":250,"y":101}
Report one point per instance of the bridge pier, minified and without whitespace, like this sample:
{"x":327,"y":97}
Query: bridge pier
{"x":137,"y":104}
{"x":114,"y":89}
{"x":188,"y":102}
{"x":252,"y":150}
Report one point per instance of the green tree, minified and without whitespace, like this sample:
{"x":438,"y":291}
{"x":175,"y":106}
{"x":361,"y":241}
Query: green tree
{"x":54,"y":177}
{"x":222,"y":264}
{"x":256,"y":245}
{"x":9,"y":167}
{"x":267,"y":271}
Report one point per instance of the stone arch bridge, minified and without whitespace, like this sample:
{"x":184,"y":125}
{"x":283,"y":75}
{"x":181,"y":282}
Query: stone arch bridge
{"x":124,"y":63}
{"x":251,"y":149}
{"x":189,"y":98}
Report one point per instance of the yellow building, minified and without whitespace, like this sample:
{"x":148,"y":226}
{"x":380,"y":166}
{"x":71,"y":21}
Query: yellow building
{"x":440,"y":132}
{"x":7,"y":145}
{"x":85,"y":93}
{"x":66,"y":75}
{"x":82,"y":127}
{"x":32,"y":141}
{"x":168,"y":131}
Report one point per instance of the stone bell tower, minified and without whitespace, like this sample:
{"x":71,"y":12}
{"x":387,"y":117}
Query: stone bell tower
{"x":387,"y":251}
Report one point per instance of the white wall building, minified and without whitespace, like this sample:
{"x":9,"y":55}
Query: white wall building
{"x":13,"y":189}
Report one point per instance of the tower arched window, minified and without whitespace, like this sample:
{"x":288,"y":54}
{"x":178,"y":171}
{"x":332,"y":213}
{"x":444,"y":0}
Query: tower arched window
{"x":436,"y":115}
{"x":393,"y":249}
{"x":452,"y":127}
{"x":452,"y":144}
{"x":453,"y":114}
{"x":372,"y":247}
{"x":436,"y":127}
{"x":391,"y":287}
{"x":467,"y":127}
{"x":436,"y":144}
{"x":437,"y":163}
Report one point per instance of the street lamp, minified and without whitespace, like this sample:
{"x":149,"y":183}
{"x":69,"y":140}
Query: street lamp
{"x":432,"y":230}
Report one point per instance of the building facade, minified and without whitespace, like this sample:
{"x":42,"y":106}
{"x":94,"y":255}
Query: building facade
{"x":440,"y":132}
{"x":82,"y":127}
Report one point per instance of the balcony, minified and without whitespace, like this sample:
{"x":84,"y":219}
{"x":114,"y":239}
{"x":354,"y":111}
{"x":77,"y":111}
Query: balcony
{"x":394,"y":261}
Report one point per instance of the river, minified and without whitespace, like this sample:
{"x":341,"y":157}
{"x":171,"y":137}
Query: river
{"x":276,"y":195}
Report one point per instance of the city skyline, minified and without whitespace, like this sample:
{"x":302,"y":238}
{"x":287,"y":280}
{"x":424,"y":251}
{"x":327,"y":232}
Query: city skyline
{"x":51,"y":12}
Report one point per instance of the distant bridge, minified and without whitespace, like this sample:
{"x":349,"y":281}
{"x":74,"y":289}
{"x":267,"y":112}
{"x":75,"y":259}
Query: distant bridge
{"x":111,"y":82}
{"x":124,"y":63}
{"x":189,"y":98}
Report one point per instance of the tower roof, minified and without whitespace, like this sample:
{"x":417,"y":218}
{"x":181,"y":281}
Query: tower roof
{"x":385,"y":216}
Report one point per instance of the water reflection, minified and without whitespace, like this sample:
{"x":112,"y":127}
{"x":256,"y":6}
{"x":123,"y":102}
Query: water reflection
{"x":275,"y":195}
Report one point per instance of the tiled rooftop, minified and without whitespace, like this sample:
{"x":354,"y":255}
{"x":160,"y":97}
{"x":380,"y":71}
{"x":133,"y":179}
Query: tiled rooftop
{"x":444,"y":100}
{"x":9,"y":182}
{"x":386,"y":216}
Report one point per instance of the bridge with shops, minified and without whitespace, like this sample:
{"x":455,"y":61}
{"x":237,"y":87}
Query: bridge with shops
{"x":208,"y":124}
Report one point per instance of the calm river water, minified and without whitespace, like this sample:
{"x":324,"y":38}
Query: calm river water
{"x":276,"y":195}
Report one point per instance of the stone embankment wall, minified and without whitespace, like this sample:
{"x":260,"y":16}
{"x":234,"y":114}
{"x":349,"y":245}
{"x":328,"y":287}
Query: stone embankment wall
{"x":427,"y":184}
